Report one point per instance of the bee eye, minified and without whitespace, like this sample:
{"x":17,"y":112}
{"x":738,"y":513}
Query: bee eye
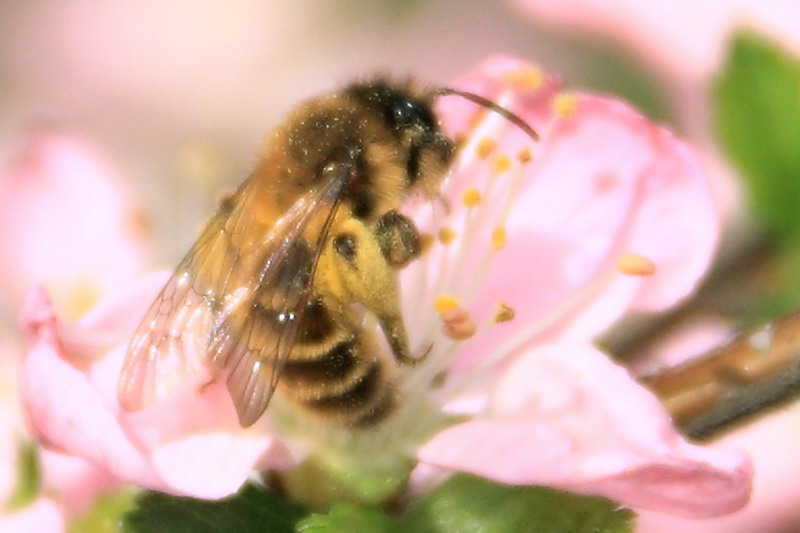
{"x":407,"y":113}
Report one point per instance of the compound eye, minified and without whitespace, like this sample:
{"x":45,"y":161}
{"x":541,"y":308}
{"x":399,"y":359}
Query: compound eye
{"x":411,"y":113}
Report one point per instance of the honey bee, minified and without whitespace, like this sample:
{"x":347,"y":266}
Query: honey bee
{"x":276,"y":288}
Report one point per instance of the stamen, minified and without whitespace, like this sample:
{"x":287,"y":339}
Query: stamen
{"x":524,"y":156}
{"x":472,"y":197}
{"x":458,"y":324}
{"x":636,"y":265}
{"x":525,"y":78}
{"x":565,"y":105}
{"x":426,"y":241}
{"x":501,"y":164}
{"x":447,"y":235}
{"x":485,"y":146}
{"x":499,"y":237}
{"x":504,"y":313}
{"x":445,"y":303}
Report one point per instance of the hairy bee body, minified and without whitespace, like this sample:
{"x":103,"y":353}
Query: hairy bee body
{"x":282,"y":277}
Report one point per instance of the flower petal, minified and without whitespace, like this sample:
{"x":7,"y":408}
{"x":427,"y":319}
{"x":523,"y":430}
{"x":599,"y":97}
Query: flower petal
{"x":188,"y":444}
{"x":56,"y":182}
{"x":40,"y":516}
{"x":586,"y":426}
{"x":603,"y":183}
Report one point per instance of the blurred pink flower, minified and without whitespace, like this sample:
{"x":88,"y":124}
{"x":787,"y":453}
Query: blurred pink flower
{"x":65,"y":220}
{"x":566,"y":232}
{"x":686,"y":39}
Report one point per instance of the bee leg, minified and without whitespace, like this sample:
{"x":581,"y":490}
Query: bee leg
{"x":398,"y":239}
{"x":366,"y":276}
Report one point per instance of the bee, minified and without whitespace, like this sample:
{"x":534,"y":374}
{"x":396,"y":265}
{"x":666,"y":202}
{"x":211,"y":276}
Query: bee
{"x":273,"y":295}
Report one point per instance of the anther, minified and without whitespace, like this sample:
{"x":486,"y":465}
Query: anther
{"x":499,"y":237}
{"x":524,"y":156}
{"x":485,"y":147}
{"x":457,"y":324}
{"x":472,"y":197}
{"x":426,"y":240}
{"x":526,"y":78}
{"x":447,"y":235}
{"x":565,"y":105}
{"x":501,"y":164}
{"x":504,"y":313}
{"x":445,"y":303}
{"x":636,"y":265}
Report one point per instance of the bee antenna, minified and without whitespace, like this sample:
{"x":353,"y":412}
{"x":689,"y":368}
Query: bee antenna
{"x":488,"y":104}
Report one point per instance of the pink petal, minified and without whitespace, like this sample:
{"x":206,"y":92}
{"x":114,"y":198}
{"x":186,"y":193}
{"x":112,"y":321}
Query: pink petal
{"x":67,"y":221}
{"x":586,"y":426}
{"x":603,"y":182}
{"x":42,"y":516}
{"x":662,"y":33}
{"x":66,"y":412}
{"x":190,"y":443}
{"x":75,"y":483}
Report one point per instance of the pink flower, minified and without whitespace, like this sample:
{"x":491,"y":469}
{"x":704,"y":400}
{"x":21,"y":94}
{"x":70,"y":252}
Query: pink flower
{"x":65,"y":220}
{"x":685,"y":39}
{"x":607,"y":214}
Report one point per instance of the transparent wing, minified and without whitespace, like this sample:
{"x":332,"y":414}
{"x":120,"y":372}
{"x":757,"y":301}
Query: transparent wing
{"x":235,"y":304}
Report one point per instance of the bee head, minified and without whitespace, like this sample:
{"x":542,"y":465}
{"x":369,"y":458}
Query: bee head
{"x":424,"y":151}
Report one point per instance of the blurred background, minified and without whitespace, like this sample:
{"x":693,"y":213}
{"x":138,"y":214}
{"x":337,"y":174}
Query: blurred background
{"x":174,"y":97}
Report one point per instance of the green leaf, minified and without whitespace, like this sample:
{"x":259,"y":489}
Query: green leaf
{"x":104,"y":517}
{"x":28,"y":482}
{"x":473,"y":505}
{"x":252,"y":509}
{"x":757,"y":117}
{"x":347,"y":517}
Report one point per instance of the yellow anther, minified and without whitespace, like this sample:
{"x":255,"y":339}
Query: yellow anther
{"x":447,"y":235}
{"x":499,"y":237}
{"x":426,"y":241}
{"x":501,"y":164}
{"x":636,"y":265}
{"x":485,"y":147}
{"x":504,"y":313}
{"x":524,"y":155}
{"x":445,"y":303}
{"x":525,"y":78}
{"x":458,"y":324}
{"x":565,"y":105}
{"x":472,"y":197}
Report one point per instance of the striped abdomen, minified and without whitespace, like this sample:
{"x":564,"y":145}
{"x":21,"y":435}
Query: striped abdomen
{"x":335,"y":374}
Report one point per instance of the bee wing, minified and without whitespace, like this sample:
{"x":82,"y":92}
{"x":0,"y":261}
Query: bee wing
{"x":235,"y":310}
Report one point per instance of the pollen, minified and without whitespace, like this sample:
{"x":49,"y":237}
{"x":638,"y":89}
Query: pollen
{"x":457,"y":324}
{"x":502,"y":164}
{"x":485,"y":147}
{"x":446,"y":303}
{"x":525,"y":156}
{"x":504,"y":313}
{"x":565,"y":105}
{"x":472,"y":197}
{"x":527,"y":78}
{"x":426,"y":241}
{"x":636,"y":265}
{"x":499,"y":237}
{"x":447,"y":235}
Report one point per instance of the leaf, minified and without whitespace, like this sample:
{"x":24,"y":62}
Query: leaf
{"x":253,"y":508}
{"x":347,"y":517}
{"x":29,"y":477}
{"x":473,"y":505}
{"x":104,"y":514}
{"x":756,"y":112}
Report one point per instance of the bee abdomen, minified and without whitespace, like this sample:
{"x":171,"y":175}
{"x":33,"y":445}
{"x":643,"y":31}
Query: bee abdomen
{"x":341,"y":385}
